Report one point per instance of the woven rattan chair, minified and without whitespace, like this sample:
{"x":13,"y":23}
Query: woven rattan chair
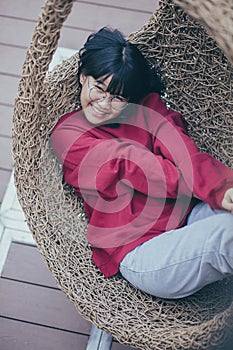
{"x":195,"y":62}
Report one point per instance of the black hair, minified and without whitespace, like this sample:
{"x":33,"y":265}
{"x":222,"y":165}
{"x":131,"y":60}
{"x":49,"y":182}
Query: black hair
{"x":107,"y":53}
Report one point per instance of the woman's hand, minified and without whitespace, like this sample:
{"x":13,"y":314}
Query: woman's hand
{"x":227,"y":202}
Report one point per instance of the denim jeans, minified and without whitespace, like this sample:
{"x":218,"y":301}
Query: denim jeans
{"x":180,"y":262}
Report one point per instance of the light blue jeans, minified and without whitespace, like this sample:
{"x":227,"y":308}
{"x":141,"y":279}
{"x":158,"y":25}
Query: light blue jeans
{"x":180,"y":262}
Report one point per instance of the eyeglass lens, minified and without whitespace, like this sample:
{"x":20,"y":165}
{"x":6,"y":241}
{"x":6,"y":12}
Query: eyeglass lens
{"x":98,"y":95}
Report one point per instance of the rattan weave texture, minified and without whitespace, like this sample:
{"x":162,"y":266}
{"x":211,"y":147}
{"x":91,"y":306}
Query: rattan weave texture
{"x":217,"y":17}
{"x":199,"y":81}
{"x":198,"y":75}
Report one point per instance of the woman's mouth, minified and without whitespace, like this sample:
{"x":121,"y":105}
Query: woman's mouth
{"x":99,"y":113}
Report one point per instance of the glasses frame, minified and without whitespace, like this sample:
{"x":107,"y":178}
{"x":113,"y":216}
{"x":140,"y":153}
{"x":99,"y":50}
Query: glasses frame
{"x":105,"y":95}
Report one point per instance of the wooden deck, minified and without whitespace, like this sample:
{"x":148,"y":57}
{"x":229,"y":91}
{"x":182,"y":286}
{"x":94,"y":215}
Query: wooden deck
{"x":34,"y":313}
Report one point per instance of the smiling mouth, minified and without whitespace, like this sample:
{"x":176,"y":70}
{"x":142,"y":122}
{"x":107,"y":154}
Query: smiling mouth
{"x":98,"y":112}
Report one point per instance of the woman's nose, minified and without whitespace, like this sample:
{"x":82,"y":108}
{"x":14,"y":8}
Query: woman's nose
{"x":105,"y":102}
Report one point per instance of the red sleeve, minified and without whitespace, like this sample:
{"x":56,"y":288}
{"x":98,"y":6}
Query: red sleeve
{"x":92,"y":164}
{"x":205,"y":177}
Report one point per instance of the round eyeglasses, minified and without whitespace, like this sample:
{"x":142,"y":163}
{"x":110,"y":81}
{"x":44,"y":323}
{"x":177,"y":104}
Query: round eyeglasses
{"x":98,"y":95}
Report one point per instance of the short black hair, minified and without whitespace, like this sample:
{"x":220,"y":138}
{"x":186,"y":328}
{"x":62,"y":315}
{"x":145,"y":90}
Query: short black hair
{"x":107,"y":53}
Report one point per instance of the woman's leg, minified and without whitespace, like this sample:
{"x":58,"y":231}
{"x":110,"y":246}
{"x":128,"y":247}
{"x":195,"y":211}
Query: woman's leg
{"x":180,"y":262}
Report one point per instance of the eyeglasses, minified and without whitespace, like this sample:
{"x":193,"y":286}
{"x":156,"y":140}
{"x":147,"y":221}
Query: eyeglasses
{"x":98,"y":95}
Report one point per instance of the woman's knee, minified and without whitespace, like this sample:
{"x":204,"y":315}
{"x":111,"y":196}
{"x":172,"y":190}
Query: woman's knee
{"x":164,"y":285}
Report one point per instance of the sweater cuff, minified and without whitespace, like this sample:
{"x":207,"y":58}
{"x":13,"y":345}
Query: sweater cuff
{"x":216,"y":196}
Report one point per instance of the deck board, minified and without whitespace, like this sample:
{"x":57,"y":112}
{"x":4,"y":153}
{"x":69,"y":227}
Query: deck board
{"x":6,"y":154}
{"x":15,"y":335}
{"x":6,"y":113}
{"x":5,"y":177}
{"x":30,"y":10}
{"x":8,"y":89}
{"x":31,"y":307}
{"x":9,"y":26}
{"x":21,"y":9}
{"x":93,"y":17}
{"x":7,"y":60}
{"x":40,"y":305}
{"x":30,"y":269}
{"x":140,"y":5}
{"x":27,"y":286}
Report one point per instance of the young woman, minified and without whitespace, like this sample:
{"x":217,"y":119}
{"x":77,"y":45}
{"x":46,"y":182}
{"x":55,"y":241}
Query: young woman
{"x":160,"y":211}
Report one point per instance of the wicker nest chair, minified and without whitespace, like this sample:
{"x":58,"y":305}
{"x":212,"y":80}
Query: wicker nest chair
{"x":189,"y":41}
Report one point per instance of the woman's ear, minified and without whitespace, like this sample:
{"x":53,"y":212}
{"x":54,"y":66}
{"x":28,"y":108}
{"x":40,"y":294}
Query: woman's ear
{"x":82,"y":78}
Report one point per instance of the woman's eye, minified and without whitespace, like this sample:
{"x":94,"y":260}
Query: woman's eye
{"x":99,"y":89}
{"x":120,"y":99}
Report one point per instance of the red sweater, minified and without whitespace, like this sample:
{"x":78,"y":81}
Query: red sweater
{"x":138,"y":176}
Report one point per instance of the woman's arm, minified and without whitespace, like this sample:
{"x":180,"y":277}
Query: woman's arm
{"x":207,"y":178}
{"x":92,"y":164}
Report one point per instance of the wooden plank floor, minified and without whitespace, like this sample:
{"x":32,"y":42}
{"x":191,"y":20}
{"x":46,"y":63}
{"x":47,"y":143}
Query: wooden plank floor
{"x":34,"y":313}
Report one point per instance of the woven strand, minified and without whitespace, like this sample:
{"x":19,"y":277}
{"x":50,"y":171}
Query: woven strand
{"x":217,"y":17}
{"x":197,"y":74}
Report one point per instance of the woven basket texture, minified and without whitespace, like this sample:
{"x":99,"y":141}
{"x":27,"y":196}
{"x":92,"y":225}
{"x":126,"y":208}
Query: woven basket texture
{"x":217,"y":17}
{"x":199,"y":84}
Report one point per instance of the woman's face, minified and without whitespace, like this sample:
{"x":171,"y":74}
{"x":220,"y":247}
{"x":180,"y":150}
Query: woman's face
{"x":98,"y":105}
